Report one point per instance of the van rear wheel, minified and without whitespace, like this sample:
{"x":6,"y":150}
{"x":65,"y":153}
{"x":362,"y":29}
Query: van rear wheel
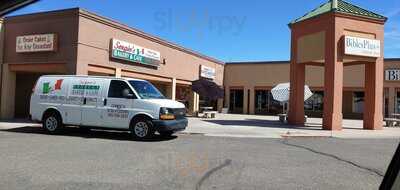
{"x":142,"y":128}
{"x":52,"y":122}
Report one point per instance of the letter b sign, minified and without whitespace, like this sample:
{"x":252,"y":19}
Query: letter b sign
{"x":392,"y":75}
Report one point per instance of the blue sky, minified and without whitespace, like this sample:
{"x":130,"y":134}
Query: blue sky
{"x":228,"y":30}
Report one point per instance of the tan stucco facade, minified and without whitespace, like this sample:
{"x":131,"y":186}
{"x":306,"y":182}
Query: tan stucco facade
{"x":84,"y":48}
{"x":265,"y":75}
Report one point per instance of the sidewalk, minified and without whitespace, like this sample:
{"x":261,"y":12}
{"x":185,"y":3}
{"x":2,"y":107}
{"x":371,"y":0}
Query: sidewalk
{"x":269,"y":127}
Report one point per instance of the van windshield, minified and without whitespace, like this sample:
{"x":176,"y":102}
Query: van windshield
{"x":146,"y":90}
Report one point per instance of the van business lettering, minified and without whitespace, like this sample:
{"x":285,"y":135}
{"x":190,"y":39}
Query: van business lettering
{"x":81,"y":89}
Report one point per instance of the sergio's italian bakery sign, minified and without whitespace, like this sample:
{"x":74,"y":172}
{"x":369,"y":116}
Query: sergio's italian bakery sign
{"x":36,"y":43}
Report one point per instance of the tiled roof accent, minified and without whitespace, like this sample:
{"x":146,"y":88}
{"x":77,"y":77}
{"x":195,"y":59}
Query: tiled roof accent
{"x":342,"y":7}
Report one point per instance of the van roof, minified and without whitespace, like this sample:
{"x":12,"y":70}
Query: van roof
{"x":90,"y":76}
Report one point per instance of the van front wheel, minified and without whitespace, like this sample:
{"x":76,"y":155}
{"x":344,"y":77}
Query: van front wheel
{"x":142,"y":128}
{"x":52,"y":122}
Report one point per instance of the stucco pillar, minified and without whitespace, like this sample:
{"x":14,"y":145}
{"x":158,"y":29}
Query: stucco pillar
{"x":227,"y":97}
{"x":220,"y":104}
{"x":245,"y":98}
{"x":296,"y":102}
{"x":193,"y":103}
{"x":333,"y":85}
{"x":7,"y":93}
{"x":173,"y":89}
{"x":373,"y":119}
{"x":118,"y":72}
{"x":251,"y":108}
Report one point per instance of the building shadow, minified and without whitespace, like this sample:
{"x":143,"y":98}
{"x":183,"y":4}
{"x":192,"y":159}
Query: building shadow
{"x":91,"y":134}
{"x":262,"y":123}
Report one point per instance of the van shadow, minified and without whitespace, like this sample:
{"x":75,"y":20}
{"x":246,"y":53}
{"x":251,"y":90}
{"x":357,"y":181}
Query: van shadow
{"x":92,"y":134}
{"x":264,"y":124}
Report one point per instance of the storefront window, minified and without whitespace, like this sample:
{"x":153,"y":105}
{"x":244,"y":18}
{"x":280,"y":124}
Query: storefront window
{"x":398,"y":101}
{"x":261,"y":101}
{"x":386,"y":102}
{"x":265,"y":104}
{"x":358,"y":102}
{"x":315,"y":103}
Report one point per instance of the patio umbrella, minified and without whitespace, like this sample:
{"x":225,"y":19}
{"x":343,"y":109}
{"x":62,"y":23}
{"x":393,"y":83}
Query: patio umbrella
{"x":208,"y":89}
{"x":281,"y":92}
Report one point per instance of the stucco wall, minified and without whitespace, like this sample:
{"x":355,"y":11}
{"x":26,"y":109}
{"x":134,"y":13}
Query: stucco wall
{"x":95,"y":49}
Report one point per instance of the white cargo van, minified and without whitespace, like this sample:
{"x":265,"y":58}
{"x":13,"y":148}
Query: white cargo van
{"x":105,"y":102}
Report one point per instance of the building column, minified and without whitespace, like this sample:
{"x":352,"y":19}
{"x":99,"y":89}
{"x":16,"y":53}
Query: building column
{"x":373,"y":119}
{"x":252,"y":106}
{"x":296,"y":98}
{"x":8,"y":85}
{"x":220,"y":104}
{"x":118,"y":72}
{"x":333,"y":85}
{"x":173,"y":89}
{"x":227,"y":97}
{"x":194,"y":103}
{"x":245,"y":98}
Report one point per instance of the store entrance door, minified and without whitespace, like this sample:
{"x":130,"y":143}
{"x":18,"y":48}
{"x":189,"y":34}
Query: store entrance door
{"x":23,"y":90}
{"x":236,"y":101}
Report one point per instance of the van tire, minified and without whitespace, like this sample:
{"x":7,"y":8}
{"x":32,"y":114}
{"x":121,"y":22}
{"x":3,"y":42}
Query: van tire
{"x":52,"y":122}
{"x":142,"y":128}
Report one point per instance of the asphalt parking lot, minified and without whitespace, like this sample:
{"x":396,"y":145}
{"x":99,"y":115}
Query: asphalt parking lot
{"x":31,"y":159}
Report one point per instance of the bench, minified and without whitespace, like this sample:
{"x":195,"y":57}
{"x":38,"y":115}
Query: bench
{"x":283,"y":118}
{"x":209,"y":114}
{"x":391,"y":122}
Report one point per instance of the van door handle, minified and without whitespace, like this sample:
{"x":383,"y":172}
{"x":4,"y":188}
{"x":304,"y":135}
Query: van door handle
{"x":105,"y":101}
{"x":84,"y":101}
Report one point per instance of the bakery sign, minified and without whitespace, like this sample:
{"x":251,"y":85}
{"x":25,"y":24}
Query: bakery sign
{"x":362,"y":47}
{"x":207,"y":72}
{"x":36,"y":43}
{"x":392,"y":75}
{"x":134,"y":53}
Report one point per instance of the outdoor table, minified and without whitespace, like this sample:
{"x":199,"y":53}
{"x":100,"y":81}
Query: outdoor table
{"x":396,"y":115}
{"x":282,"y":117}
{"x":206,"y":108}
{"x":390,"y":122}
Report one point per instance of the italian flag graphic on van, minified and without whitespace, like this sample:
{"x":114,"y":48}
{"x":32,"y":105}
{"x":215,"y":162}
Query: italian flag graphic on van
{"x":47,"y":88}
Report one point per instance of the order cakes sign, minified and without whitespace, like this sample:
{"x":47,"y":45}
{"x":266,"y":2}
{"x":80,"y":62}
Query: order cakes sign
{"x":134,"y":53}
{"x":36,"y":43}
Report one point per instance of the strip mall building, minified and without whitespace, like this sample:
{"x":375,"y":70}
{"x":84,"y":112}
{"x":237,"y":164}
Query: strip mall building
{"x":75,"y":41}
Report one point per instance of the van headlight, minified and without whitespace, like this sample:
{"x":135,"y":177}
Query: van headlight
{"x":166,"y":114}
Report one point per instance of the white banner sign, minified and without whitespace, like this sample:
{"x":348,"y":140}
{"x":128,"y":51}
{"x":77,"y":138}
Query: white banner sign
{"x":207,"y":72}
{"x":362,"y":47}
{"x":36,"y":43}
{"x":392,"y":75}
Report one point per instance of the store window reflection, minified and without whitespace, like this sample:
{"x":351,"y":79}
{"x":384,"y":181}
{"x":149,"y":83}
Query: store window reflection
{"x":315,"y":103}
{"x":358,"y":102}
{"x":265,"y":103}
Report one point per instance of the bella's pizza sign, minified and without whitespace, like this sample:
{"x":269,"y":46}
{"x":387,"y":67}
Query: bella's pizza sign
{"x":134,"y":53}
{"x":362,"y":47}
{"x":36,"y":43}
